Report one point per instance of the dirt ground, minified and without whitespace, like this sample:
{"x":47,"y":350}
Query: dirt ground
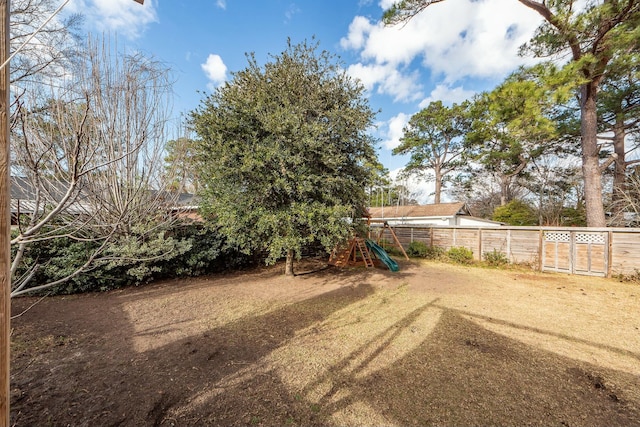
{"x":434,"y":344}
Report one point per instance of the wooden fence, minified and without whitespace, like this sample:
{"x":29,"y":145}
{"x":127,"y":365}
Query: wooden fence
{"x":589,"y":251}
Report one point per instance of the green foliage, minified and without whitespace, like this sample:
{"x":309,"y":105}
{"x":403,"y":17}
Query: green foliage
{"x":434,"y":139}
{"x":180,"y":164}
{"x":135,"y":261}
{"x":600,"y":40}
{"x":208,"y":253}
{"x":514,"y":125}
{"x":574,"y":217}
{"x":57,"y":258}
{"x":435,"y":253}
{"x":417,"y":249}
{"x":402,"y":10}
{"x":185,"y":250}
{"x":496,"y":258}
{"x":460,"y":255}
{"x":516,"y":212}
{"x":421,"y":250}
{"x":285,"y":153}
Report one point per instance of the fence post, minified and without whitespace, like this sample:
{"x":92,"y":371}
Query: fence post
{"x":609,"y":247}
{"x":573,"y":252}
{"x":540,"y":248}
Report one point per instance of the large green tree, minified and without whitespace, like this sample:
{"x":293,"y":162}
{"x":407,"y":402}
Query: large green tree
{"x":510,"y":127}
{"x":597,"y":39}
{"x":434,"y":138}
{"x":619,"y":120}
{"x":285,"y":153}
{"x":180,"y":168}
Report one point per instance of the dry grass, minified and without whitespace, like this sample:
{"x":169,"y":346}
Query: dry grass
{"x":435,"y":344}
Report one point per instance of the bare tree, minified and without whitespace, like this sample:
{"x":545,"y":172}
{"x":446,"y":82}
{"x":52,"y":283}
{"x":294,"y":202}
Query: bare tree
{"x":89,"y":152}
{"x":556,"y":189}
{"x":626,"y":208}
{"x":51,"y":51}
{"x":619,"y":115}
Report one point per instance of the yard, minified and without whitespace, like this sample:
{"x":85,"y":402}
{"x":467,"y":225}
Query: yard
{"x":434,"y":344}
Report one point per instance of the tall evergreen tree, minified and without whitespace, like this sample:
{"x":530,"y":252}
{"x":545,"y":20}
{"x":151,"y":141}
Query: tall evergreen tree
{"x":434,"y":139}
{"x":285,"y":153}
{"x":511,"y":126}
{"x":598,"y":39}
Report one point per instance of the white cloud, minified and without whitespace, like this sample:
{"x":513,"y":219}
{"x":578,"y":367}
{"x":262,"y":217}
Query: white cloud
{"x":359,"y":28}
{"x":455,"y":40}
{"x":389,"y":80}
{"x":222,"y":4}
{"x":393,"y":130}
{"x":386,"y":4}
{"x":487,"y":45}
{"x":122,"y":16}
{"x":215,"y":70}
{"x":291,"y":11}
{"x":421,"y":189}
{"x":448,"y":95}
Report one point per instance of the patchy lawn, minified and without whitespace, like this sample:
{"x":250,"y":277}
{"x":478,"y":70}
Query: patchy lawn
{"x":434,"y":344}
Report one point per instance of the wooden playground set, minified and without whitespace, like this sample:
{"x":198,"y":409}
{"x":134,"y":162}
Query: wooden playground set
{"x":367,"y":252}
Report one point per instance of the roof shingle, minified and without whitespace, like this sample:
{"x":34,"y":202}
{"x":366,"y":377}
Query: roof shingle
{"x":419,"y":211}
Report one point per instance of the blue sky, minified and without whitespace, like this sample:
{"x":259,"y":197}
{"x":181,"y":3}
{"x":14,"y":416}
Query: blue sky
{"x":448,"y":53}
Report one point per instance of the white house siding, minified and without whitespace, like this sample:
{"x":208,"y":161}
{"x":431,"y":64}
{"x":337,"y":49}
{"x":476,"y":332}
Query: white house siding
{"x":476,"y":222}
{"x":417,"y":221}
{"x":440,"y":221}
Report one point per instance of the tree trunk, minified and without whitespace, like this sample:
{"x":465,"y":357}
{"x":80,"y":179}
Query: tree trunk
{"x":590,"y":160}
{"x":619,"y":173}
{"x":504,"y":190}
{"x":288,"y":267}
{"x":438,"y":189}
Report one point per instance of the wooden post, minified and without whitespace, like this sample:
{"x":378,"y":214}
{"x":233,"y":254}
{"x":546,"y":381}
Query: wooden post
{"x":540,"y":249}
{"x":5,"y":218}
{"x":609,"y":247}
{"x":573,"y":252}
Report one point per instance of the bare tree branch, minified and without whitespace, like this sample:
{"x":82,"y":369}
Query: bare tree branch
{"x":89,"y":152}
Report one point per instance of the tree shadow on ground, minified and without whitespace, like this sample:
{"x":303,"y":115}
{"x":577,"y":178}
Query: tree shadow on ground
{"x":93,"y":384}
{"x":74,"y":371}
{"x":460,"y":374}
{"x":463,"y":374}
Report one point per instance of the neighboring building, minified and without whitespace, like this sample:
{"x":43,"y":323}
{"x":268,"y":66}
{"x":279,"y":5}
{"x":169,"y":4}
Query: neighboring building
{"x":444,"y":214}
{"x":23,"y":200}
{"x":187,"y":206}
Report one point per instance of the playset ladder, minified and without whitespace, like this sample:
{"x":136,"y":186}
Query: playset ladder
{"x":364,"y":251}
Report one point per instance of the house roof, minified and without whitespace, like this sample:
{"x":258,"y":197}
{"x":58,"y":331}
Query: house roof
{"x":21,"y":188}
{"x":420,"y":211}
{"x":23,"y":197}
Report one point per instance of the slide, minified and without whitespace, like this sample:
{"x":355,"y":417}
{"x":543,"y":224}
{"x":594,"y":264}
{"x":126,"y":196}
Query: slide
{"x":382,"y":255}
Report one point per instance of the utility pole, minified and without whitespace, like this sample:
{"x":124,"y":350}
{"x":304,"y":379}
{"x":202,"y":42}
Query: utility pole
{"x":5,"y":217}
